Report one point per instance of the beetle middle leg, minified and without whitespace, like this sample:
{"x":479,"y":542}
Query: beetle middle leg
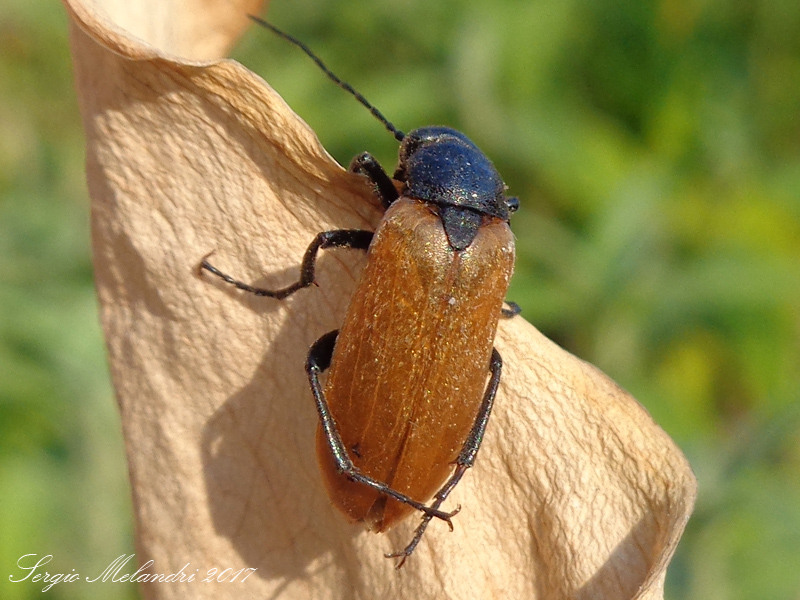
{"x":340,"y":238}
{"x":466,"y":457}
{"x":512,"y":311}
{"x":319,"y":359}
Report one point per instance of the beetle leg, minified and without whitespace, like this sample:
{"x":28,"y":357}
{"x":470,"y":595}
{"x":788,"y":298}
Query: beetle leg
{"x":366,"y":164}
{"x":341,"y":238}
{"x":319,"y":359}
{"x":465,"y":459}
{"x":512,"y":202}
{"x":512,"y":311}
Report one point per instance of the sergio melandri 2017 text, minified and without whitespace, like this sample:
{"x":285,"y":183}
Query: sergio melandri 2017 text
{"x":32,"y":570}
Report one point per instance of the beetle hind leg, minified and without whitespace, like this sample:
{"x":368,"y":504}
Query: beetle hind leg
{"x":465,"y":459}
{"x":319,"y":359}
{"x":440,"y":497}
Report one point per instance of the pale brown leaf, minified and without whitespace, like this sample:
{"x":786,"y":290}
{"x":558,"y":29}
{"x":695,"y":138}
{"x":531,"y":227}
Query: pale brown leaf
{"x":577,"y":493}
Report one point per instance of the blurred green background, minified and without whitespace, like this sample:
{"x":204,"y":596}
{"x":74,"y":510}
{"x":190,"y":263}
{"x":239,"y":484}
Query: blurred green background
{"x":655,"y":147}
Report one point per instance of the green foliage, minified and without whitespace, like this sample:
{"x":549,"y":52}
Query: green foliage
{"x":655,"y":148}
{"x":63,"y":488}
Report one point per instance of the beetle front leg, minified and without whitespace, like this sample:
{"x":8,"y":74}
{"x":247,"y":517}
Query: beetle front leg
{"x":340,"y":238}
{"x":319,"y":359}
{"x":465,"y":459}
{"x":368,"y":165}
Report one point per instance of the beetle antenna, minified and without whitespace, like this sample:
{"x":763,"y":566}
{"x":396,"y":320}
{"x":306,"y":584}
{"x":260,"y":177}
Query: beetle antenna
{"x":399,"y":135}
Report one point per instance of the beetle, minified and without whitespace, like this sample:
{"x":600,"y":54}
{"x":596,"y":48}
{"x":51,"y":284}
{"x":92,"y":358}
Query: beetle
{"x":406,"y":403}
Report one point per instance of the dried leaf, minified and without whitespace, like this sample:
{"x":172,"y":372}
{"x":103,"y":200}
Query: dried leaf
{"x":577,"y":493}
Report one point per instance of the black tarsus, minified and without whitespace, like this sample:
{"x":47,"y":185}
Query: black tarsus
{"x":398,"y":135}
{"x":341,"y":238}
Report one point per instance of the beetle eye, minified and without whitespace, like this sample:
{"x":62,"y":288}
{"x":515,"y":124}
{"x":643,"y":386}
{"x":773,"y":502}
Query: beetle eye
{"x":409,"y":146}
{"x":513,"y":204}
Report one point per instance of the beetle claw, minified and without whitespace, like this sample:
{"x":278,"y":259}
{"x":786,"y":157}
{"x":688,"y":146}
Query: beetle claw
{"x":440,"y":514}
{"x":203,"y":264}
{"x":402,"y":555}
{"x":429,"y":514}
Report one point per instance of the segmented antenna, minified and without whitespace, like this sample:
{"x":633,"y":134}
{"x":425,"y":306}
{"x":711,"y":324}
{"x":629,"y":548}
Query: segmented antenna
{"x":399,"y":135}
